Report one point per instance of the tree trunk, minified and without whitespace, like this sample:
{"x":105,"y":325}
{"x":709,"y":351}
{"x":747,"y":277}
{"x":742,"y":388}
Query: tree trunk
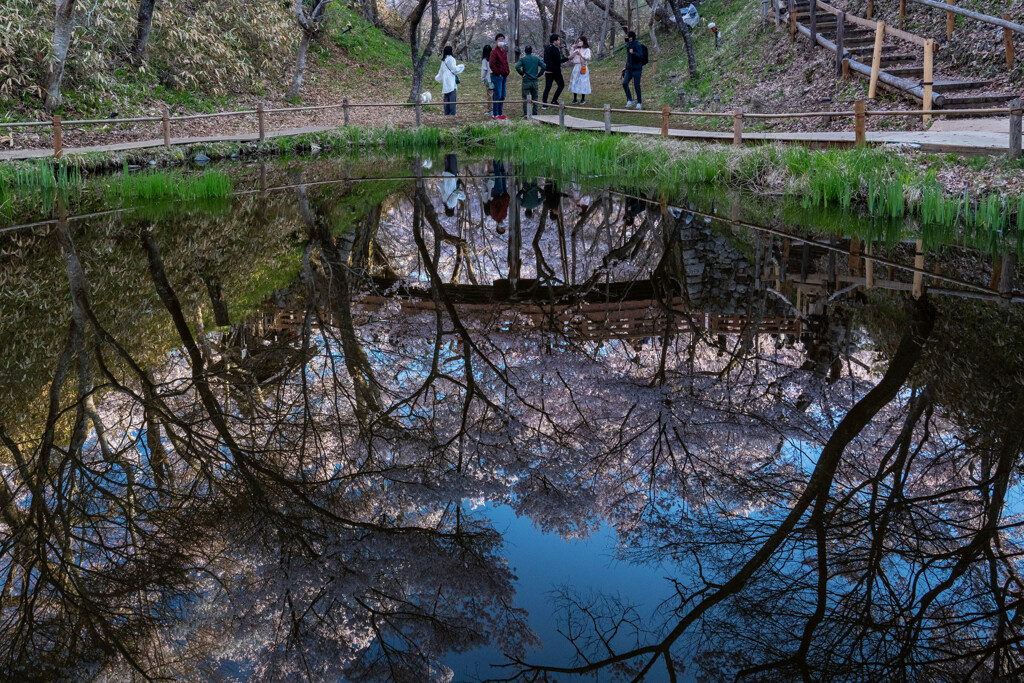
{"x":300,"y":65}
{"x":419,"y":61}
{"x":609,"y":9}
{"x":556,"y":17}
{"x":691,"y":60}
{"x":545,"y":28}
{"x":62,"y":27}
{"x":143,"y":27}
{"x":604,"y":30}
{"x":655,"y":6}
{"x":513,"y":29}
{"x":370,"y":12}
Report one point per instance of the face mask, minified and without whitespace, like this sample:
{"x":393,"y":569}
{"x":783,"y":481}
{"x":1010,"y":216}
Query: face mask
{"x":501,"y":43}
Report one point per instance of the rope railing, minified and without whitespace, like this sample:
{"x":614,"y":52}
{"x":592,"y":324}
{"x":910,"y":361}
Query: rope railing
{"x":738,"y":116}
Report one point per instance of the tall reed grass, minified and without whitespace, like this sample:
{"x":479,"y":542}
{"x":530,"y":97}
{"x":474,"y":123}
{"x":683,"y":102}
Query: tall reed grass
{"x":164,"y":185}
{"x":43,"y":180}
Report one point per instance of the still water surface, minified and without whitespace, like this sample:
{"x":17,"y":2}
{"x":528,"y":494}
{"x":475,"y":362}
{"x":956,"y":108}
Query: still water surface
{"x":448,"y":420}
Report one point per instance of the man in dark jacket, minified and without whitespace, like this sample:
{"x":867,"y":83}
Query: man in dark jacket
{"x":634,"y":70}
{"x":554,"y":60}
{"x":499,"y":74}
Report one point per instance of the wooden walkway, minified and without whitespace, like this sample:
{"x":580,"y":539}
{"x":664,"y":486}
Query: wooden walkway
{"x":959,"y":141}
{"x":968,"y":142}
{"x":16,"y":154}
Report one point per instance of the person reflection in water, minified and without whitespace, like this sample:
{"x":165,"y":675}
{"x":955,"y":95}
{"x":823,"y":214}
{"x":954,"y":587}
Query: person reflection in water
{"x":451,"y":187}
{"x":634,"y":207}
{"x":530,"y":197}
{"x":552,"y":199}
{"x":497,"y":207}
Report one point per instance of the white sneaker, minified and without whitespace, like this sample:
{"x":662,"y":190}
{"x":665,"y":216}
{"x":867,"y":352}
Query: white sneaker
{"x":630,"y":103}
{"x":639,"y":105}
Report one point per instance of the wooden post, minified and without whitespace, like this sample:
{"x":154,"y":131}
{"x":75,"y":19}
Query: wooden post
{"x":58,"y":138}
{"x":529,"y":107}
{"x":419,"y":114}
{"x":344,"y":108}
{"x":607,"y":119}
{"x":561,"y":115}
{"x":1015,"y":114}
{"x":841,"y":44}
{"x":858,"y":122}
{"x":261,"y":118}
{"x":876,"y":59}
{"x":903,"y":14}
{"x":869,"y":269}
{"x":950,"y":18}
{"x":1008,"y":38}
{"x":918,"y":267}
{"x":871,"y":8}
{"x":664,"y":121}
{"x":654,"y":69}
{"x":737,"y":126}
{"x":929,"y":46}
{"x":792,"y":21}
{"x":165,"y":121}
{"x":846,"y":69}
{"x":812,"y":8}
{"x":263,"y":179}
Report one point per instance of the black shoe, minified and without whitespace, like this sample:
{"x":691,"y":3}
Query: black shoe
{"x":583,"y":101}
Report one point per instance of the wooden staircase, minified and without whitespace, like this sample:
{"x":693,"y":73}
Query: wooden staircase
{"x":901,"y":63}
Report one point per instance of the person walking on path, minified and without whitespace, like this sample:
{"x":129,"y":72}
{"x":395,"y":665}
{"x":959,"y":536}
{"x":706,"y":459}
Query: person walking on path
{"x":485,"y":77}
{"x":554,"y":60}
{"x":633,"y":71}
{"x":448,"y":77}
{"x":530,"y":67}
{"x":579,"y":82}
{"x":499,"y":75}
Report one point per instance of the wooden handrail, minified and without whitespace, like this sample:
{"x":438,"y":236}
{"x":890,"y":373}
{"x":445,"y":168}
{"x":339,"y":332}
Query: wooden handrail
{"x":977,"y":16}
{"x":872,"y":24}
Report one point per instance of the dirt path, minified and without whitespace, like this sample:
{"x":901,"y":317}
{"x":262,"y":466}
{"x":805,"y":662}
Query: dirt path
{"x":961,"y":141}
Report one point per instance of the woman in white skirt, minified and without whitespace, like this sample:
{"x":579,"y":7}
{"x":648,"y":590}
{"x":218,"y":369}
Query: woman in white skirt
{"x":579,"y":82}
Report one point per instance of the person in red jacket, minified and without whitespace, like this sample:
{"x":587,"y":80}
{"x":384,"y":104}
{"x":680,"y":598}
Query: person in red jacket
{"x":499,"y":74}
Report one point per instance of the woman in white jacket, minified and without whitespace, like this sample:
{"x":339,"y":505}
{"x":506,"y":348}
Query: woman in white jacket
{"x":579,"y":82}
{"x":448,"y":77}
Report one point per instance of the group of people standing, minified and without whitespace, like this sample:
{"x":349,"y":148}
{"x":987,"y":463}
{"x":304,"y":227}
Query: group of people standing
{"x":495,"y":70}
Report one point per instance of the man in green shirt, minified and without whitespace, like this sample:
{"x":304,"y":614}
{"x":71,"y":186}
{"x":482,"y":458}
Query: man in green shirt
{"x":530,"y":67}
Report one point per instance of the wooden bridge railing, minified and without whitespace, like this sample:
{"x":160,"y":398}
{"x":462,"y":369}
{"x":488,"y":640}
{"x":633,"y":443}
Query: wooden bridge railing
{"x":738,"y":117}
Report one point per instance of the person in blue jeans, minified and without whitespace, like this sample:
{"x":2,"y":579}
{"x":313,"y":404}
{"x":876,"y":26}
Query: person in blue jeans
{"x":499,"y":75}
{"x":634,"y":70}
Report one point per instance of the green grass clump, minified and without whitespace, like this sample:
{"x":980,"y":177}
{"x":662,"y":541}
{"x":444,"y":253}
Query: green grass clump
{"x":163,"y":185}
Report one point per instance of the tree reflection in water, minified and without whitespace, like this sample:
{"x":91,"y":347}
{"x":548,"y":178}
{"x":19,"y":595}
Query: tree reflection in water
{"x":294,"y":494}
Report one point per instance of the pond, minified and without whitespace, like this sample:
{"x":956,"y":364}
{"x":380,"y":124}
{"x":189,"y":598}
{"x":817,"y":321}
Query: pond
{"x":458,"y":418}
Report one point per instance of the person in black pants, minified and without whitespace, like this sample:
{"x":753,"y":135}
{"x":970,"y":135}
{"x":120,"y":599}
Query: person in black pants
{"x":553,"y":74}
{"x":634,"y":70}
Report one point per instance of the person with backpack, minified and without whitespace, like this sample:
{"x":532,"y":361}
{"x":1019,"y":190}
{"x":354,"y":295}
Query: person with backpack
{"x":499,"y":74}
{"x":530,"y":67}
{"x":448,"y":77}
{"x":554,"y":60}
{"x":636,"y":57}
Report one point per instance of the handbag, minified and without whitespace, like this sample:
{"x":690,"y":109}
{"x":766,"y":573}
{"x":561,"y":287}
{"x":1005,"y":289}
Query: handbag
{"x":583,"y":70}
{"x":451,"y":72}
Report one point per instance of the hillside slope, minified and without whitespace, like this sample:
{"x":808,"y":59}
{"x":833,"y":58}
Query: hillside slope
{"x":758,"y":68}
